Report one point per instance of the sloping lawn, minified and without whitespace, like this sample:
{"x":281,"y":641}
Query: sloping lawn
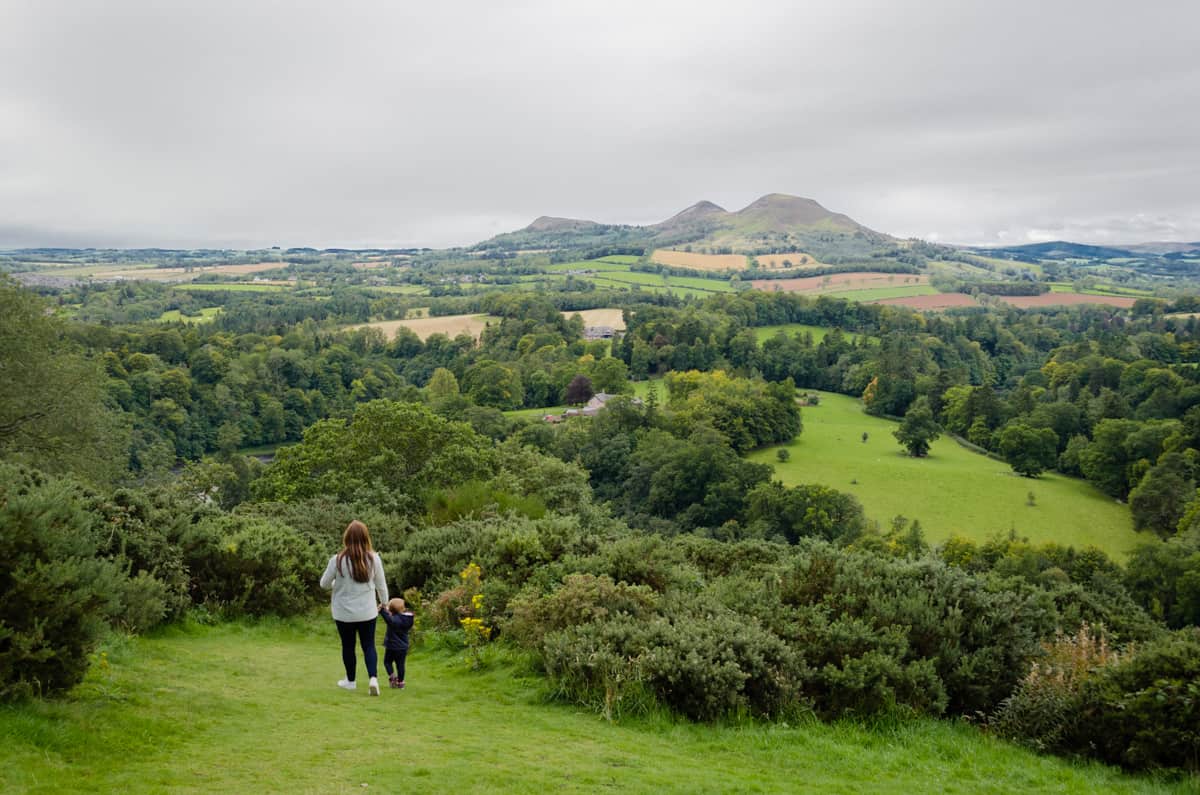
{"x":952,"y":491}
{"x":253,"y":708}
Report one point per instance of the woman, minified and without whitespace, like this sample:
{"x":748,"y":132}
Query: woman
{"x":359,"y":587}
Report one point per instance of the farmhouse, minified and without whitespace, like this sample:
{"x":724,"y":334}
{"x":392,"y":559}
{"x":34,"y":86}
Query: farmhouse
{"x":598,"y":332}
{"x":593,"y":407}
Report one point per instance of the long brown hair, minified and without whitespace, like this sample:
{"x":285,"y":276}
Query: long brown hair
{"x":356,"y":547}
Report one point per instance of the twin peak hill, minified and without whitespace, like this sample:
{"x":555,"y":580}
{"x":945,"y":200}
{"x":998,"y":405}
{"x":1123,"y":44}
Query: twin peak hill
{"x":774,"y":222}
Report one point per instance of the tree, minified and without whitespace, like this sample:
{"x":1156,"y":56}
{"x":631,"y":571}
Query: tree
{"x":579,"y":390}
{"x":393,"y":454}
{"x":610,"y":375}
{"x":489,"y":383}
{"x":54,"y":411}
{"x":1029,"y":451}
{"x":1159,"y":500}
{"x":805,"y":510}
{"x":919,"y":429}
{"x":442,"y":384}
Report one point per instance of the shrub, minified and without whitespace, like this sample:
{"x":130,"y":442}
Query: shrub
{"x":876,"y":628}
{"x":1144,"y":711}
{"x":323,"y":520}
{"x":703,"y":662}
{"x":582,"y":599}
{"x":144,"y":529}
{"x":252,"y":565}
{"x":55,"y":593}
{"x":1044,"y":705}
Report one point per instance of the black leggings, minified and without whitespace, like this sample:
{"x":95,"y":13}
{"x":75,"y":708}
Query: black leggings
{"x":391,"y":656}
{"x":365,"y":632}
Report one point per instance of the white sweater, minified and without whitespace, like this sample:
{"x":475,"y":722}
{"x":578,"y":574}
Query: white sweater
{"x":353,"y":600}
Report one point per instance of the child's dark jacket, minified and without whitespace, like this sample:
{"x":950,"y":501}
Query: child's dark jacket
{"x":398,"y":625}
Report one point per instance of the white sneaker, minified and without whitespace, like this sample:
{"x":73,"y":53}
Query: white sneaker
{"x":373,"y":686}
{"x":346,"y":684}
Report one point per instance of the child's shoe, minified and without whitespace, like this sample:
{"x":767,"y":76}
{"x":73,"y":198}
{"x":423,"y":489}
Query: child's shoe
{"x":400,"y":684}
{"x":393,"y":681}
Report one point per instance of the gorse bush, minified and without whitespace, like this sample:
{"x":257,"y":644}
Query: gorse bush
{"x":779,"y":629}
{"x":1144,"y":710}
{"x":252,"y":565}
{"x":59,"y":590}
{"x":1040,"y":711}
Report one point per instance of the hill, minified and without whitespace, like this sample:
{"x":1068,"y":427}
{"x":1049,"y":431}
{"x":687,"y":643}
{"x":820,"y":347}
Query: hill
{"x":252,"y":707}
{"x":776,"y":222}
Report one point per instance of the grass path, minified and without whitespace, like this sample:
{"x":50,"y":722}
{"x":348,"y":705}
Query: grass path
{"x":953,"y":491}
{"x":253,"y":708}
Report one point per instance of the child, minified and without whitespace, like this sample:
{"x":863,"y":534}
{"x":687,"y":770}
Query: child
{"x":395,"y":644}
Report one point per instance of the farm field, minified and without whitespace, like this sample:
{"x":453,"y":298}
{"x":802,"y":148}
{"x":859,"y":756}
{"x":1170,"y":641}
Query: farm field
{"x":932,"y":301}
{"x":1102,"y":289}
{"x":765,"y":333}
{"x":424,"y":327}
{"x":841,"y":282}
{"x":700,"y":262}
{"x":952,"y":492}
{"x":236,"y":287}
{"x":175,"y":316}
{"x":600,"y":317}
{"x":1067,"y":299}
{"x":870,"y":294}
{"x":681,"y":285}
{"x":403,"y":289}
{"x":599,"y":265}
{"x":183,"y":711}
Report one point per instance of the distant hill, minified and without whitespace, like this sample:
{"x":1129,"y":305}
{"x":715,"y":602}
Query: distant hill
{"x":774,"y":223}
{"x":1056,"y":250}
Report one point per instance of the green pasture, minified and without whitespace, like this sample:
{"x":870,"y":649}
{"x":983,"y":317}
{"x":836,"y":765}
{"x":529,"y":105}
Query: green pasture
{"x":952,"y":492}
{"x":606,"y":264}
{"x":1102,"y":289}
{"x":680,"y":285}
{"x":818,"y":333}
{"x":403,"y":289}
{"x":252,"y":707}
{"x":879,"y":293}
{"x":175,"y":316}
{"x":622,"y":259}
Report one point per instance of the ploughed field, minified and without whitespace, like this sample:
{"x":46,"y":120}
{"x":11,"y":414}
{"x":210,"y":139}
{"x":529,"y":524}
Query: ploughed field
{"x":953,"y":491}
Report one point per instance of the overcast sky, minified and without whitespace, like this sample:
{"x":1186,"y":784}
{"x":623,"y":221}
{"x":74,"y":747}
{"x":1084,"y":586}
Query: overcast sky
{"x":402,"y":123}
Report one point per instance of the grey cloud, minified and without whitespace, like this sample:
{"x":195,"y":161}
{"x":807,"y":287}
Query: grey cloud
{"x":380,"y":123}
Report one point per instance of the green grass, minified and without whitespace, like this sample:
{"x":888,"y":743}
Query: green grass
{"x":879,"y":293}
{"x":952,"y":491}
{"x":666,"y":282}
{"x":253,"y":708}
{"x":175,"y":316}
{"x":600,"y":265}
{"x":403,"y":289}
{"x":765,"y":333}
{"x":1102,"y":289}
